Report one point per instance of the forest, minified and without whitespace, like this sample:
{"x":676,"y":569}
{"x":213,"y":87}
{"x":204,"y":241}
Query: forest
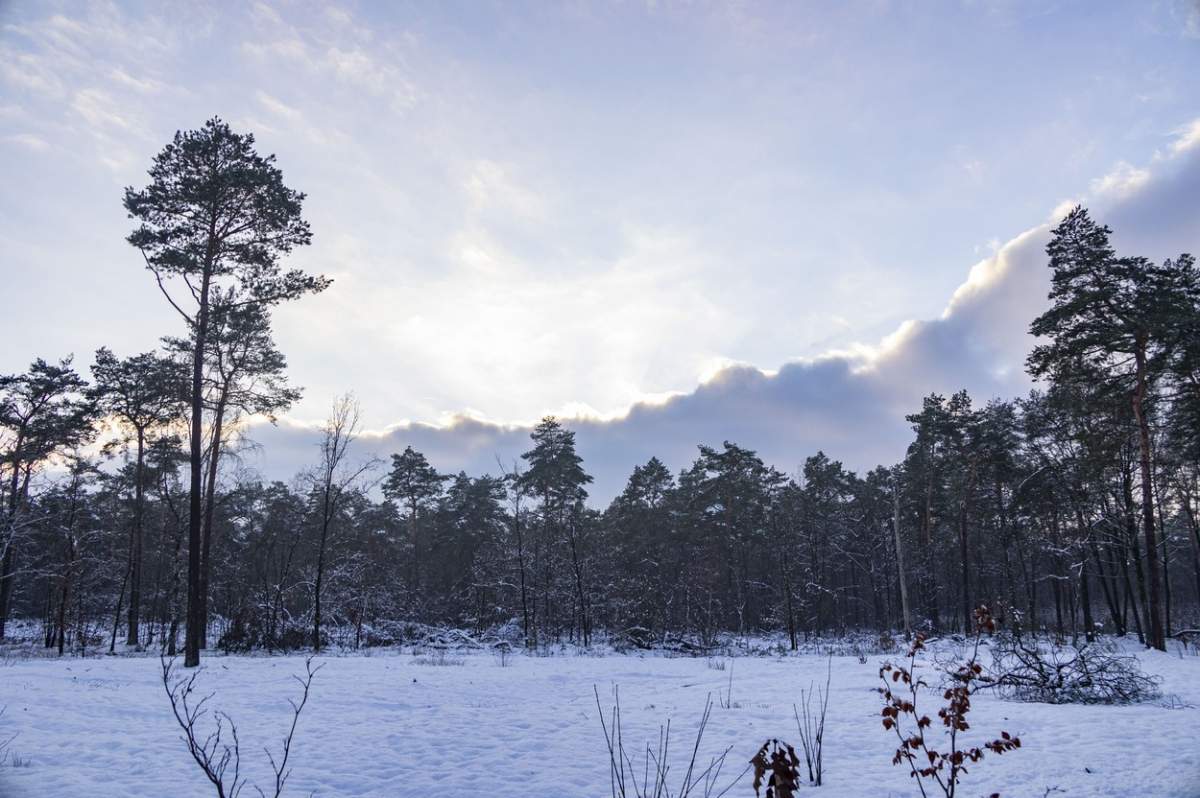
{"x":127,"y":517}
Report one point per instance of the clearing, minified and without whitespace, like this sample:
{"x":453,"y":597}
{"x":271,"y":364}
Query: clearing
{"x":390,"y":723}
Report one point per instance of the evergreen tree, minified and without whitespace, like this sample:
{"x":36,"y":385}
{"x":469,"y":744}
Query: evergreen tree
{"x":217,"y":215}
{"x":141,"y":393}
{"x":1122,"y":316}
{"x":555,"y":475}
{"x":43,"y":411}
{"x":416,"y":484}
{"x":245,"y":374}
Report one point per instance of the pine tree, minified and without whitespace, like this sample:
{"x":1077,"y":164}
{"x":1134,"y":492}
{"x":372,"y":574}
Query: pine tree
{"x":141,"y":393}
{"x":416,"y":484}
{"x":556,"y":476}
{"x":215,"y":214}
{"x":1120,"y":316}
{"x":43,"y":411}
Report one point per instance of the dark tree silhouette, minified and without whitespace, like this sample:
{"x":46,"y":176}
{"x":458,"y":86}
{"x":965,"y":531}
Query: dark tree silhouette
{"x":217,"y":216}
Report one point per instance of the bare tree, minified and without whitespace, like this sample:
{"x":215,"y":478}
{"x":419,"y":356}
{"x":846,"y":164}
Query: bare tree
{"x":332,"y":481}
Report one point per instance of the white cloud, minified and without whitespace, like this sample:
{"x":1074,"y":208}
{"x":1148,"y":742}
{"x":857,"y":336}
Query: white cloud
{"x":528,"y":232}
{"x":490,"y":184}
{"x":1122,"y":181}
{"x":141,"y":85}
{"x":29,"y":72}
{"x":277,"y":107}
{"x":1191,"y":17}
{"x":850,"y":404}
{"x":98,"y":109}
{"x":29,"y":141}
{"x":1187,"y":136}
{"x":291,"y":48}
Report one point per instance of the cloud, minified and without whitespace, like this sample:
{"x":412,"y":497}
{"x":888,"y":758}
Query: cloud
{"x":489,"y":184}
{"x":342,"y":50}
{"x":278,"y":107}
{"x":1191,"y":17}
{"x":28,"y":141}
{"x":1122,"y":181}
{"x":29,"y":72}
{"x":849,"y":404}
{"x":140,"y":85}
{"x":1187,"y":137}
{"x":96,"y":107}
{"x":551,"y":230}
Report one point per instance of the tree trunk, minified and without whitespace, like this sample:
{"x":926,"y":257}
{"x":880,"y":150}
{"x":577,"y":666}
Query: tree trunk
{"x":1131,"y":599}
{"x":210,"y":511}
{"x":787,"y":592}
{"x":8,"y":541}
{"x":1166,"y":558}
{"x":65,"y":598}
{"x":1194,"y":523}
{"x":1085,"y":589}
{"x":326,"y":516}
{"x":1108,"y":585}
{"x":112,"y":644}
{"x":1154,"y":615}
{"x":6,"y":586}
{"x":1085,"y":598}
{"x":525,"y":621}
{"x":195,"y":604}
{"x":135,"y":544}
{"x":900,"y":557}
{"x":966,"y":571}
{"x":577,"y":567}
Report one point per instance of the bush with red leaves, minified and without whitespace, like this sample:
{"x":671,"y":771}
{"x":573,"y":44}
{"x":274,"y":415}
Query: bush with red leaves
{"x":780,"y":761}
{"x":930,"y":762}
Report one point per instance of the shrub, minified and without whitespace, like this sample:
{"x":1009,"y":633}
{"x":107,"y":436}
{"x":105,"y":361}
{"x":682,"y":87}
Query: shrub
{"x":249,"y":630}
{"x":218,"y":757}
{"x":810,"y":724}
{"x":623,"y":771}
{"x":779,"y":760}
{"x":635,"y":637}
{"x":6,"y":741}
{"x":942,"y":769}
{"x":1025,"y":671}
{"x":437,"y":659}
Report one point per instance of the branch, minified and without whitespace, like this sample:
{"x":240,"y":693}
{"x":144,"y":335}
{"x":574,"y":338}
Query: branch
{"x":163,"y":289}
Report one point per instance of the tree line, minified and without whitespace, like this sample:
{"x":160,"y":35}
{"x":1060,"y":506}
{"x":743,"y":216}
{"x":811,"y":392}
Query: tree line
{"x":126,"y":513}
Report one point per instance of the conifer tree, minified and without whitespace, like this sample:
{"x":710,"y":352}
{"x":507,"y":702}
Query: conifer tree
{"x":42,"y":411}
{"x":1121,"y":316}
{"x":141,"y":393}
{"x":216,"y":215}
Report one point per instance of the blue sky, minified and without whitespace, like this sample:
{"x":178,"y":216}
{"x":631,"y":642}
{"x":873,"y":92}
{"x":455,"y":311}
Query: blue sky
{"x":577,"y":207}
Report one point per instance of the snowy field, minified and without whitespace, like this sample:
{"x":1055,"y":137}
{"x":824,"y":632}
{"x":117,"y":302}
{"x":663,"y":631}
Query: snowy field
{"x":394,"y":724}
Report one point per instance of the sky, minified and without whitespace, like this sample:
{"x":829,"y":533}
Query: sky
{"x":669,"y":223}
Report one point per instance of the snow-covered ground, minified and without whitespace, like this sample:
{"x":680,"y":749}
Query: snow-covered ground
{"x":392,"y":724}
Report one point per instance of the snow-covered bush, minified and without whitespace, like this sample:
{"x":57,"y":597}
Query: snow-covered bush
{"x":251,"y":630}
{"x":502,"y":653}
{"x":635,"y":637}
{"x":1024,"y":670}
{"x":437,"y":658}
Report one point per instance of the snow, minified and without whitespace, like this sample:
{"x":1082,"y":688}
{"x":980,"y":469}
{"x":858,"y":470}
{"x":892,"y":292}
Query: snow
{"x":394,"y":724}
